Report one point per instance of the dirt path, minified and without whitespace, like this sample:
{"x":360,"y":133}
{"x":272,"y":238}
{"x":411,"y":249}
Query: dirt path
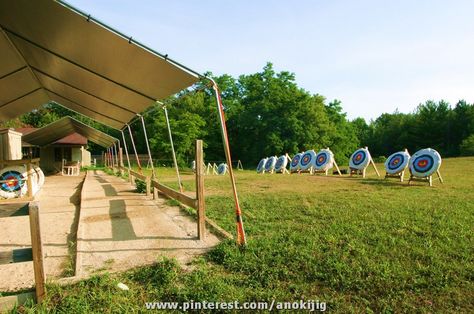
{"x":59,"y":205}
{"x":120,"y":229}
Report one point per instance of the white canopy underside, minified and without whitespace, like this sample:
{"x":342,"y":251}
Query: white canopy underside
{"x":48,"y":52}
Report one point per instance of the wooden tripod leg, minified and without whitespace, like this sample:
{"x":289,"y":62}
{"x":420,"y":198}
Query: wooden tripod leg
{"x":430,"y":179}
{"x":373,"y":164}
{"x":439,"y":176}
{"x":337,"y":168}
{"x":402,"y":175}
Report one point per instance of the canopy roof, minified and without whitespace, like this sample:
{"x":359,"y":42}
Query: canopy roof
{"x":64,"y":127}
{"x":50,"y":51}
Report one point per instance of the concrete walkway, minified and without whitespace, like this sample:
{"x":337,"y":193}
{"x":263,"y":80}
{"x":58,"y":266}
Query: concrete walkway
{"x":59,"y":207}
{"x":120,"y":229}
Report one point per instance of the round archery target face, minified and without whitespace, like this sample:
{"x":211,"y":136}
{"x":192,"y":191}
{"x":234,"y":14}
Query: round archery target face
{"x":324,"y":160}
{"x":425,"y":162}
{"x":14,"y":181}
{"x":307,"y":159}
{"x":261,"y":165}
{"x":281,"y":163}
{"x":295,"y":162}
{"x":270,"y":164}
{"x":359,"y":159}
{"x":222,"y":169}
{"x":397,"y":162}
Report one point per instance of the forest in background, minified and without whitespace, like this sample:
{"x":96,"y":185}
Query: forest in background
{"x":268,"y":114}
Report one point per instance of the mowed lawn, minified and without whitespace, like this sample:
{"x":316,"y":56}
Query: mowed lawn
{"x":361,"y":245}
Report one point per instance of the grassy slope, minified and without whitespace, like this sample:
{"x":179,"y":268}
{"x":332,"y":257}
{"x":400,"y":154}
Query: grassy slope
{"x":360,"y":245}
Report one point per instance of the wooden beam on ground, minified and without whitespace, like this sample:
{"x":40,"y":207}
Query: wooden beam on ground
{"x":37,"y":247}
{"x":201,"y":214}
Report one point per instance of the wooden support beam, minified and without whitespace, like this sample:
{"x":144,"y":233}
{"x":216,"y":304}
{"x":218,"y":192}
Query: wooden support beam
{"x":29,"y":183}
{"x":37,"y":248}
{"x":201,"y":214}
{"x":182,"y":198}
{"x":148,"y":186}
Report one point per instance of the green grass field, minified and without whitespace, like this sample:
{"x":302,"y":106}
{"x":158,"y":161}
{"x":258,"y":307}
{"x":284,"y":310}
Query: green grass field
{"x":361,"y":245}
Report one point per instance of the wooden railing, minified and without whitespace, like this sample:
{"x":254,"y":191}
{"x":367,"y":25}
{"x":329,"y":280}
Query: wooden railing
{"x":198,"y":203}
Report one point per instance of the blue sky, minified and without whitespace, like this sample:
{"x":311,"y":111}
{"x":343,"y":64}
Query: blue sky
{"x":374,"y":56}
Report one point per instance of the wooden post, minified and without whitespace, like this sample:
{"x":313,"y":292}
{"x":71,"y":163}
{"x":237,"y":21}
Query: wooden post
{"x":373,"y":164}
{"x":37,"y":248}
{"x":201,"y":214}
{"x":29,"y":182}
{"x":148,"y":185}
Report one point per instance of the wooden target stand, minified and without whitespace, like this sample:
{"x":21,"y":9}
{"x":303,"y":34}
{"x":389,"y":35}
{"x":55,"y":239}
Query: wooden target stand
{"x":327,"y":170}
{"x":354,"y":172}
{"x":428,"y":179}
{"x":400,"y":176}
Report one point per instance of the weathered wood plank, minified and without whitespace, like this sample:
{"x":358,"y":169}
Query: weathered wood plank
{"x":201,"y":215}
{"x":13,"y":210}
{"x":138,"y":175}
{"x":188,"y":201}
{"x":37,"y":247}
{"x":16,"y":256}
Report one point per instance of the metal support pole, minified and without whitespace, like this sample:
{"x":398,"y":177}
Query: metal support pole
{"x":148,"y":147}
{"x":116,"y":154}
{"x":172,"y":150}
{"x":241,"y":240}
{"x":134,"y":148}
{"x":126,"y":149}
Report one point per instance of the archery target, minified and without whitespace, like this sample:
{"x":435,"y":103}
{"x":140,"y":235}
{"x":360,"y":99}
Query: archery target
{"x":295,"y":162}
{"x":324,"y":160}
{"x":360,"y":159}
{"x":40,"y":176}
{"x":222,"y":169}
{"x":425,"y":162}
{"x":15,"y":185}
{"x":261,"y":165}
{"x":281,"y":163}
{"x":306,"y":160}
{"x":270,"y":164}
{"x":397,"y":162}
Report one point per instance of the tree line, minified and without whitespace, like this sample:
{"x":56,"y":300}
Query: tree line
{"x":268,"y":114}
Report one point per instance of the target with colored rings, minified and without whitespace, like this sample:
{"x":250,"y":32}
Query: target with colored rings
{"x":261,"y":165}
{"x":306,"y":160}
{"x":222,"y":169}
{"x":295,"y":162}
{"x":360,"y":159}
{"x":15,"y":182}
{"x":425,"y":162}
{"x":270,"y":164}
{"x":281,"y":163}
{"x":324,"y":160}
{"x":397,"y":162}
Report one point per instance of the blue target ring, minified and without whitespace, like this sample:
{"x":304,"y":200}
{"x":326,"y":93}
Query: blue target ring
{"x":306,"y":159}
{"x":261,"y":165}
{"x":279,"y":162}
{"x":359,"y":157}
{"x":395,"y":162}
{"x":423,"y":163}
{"x":15,"y":181}
{"x":321,"y":159}
{"x":295,"y":161}
{"x":270,"y":164}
